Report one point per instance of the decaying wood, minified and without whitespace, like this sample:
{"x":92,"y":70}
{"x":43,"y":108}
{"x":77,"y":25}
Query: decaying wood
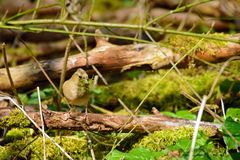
{"x":106,"y":56}
{"x":12,"y":7}
{"x":10,"y":35}
{"x":20,"y":53}
{"x":190,"y":20}
{"x":108,"y":123}
{"x":211,"y":8}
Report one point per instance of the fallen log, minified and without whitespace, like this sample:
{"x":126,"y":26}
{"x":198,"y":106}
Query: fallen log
{"x":105,"y":56}
{"x":108,"y":123}
{"x":108,"y":57}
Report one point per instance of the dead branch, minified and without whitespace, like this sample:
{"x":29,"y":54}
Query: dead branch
{"x":108,"y":123}
{"x":106,"y":56}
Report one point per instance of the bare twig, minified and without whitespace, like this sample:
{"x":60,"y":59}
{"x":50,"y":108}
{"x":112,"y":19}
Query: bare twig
{"x":100,"y":75}
{"x":90,"y":145}
{"x":65,"y":59}
{"x":102,"y":110}
{"x":9,"y":73}
{"x":207,"y":106}
{"x":42,"y":121}
{"x":35,"y":11}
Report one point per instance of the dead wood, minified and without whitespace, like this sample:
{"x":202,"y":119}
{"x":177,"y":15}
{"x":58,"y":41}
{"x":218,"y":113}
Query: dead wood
{"x":105,"y":57}
{"x":190,"y":20}
{"x":108,"y":57}
{"x":211,"y":8}
{"x":12,"y":7}
{"x":10,"y":35}
{"x":19,"y":54}
{"x":108,"y":123}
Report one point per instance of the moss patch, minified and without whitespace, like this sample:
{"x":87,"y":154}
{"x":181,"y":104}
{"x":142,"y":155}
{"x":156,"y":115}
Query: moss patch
{"x":166,"y":96}
{"x":182,"y":44}
{"x":29,"y":149}
{"x":160,"y":140}
{"x":18,"y":134}
{"x":15,"y":119}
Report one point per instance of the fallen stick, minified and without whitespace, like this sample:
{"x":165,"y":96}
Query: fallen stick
{"x":105,"y":56}
{"x":108,"y":57}
{"x":108,"y":123}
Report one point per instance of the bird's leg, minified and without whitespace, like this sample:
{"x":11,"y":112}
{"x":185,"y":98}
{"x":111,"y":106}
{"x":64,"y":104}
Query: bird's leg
{"x":86,"y":115}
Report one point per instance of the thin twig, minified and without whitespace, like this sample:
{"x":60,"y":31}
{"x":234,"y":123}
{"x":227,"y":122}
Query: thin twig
{"x":18,"y":25}
{"x":65,"y":59}
{"x":9,"y":74}
{"x":42,"y":121}
{"x":132,"y":116}
{"x":36,"y":9}
{"x":100,"y":75}
{"x":102,"y":110}
{"x":90,"y":145}
{"x":25,"y":146}
{"x":207,"y":106}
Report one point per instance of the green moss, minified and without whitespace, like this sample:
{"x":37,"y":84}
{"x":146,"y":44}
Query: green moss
{"x":233,"y":70}
{"x":160,"y":140}
{"x":17,"y":134}
{"x":166,"y":96}
{"x":74,"y":146}
{"x":182,"y":44}
{"x":15,"y":119}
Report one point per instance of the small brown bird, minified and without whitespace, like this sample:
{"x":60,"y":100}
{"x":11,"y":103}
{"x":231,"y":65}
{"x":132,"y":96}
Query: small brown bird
{"x":76,"y":88}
